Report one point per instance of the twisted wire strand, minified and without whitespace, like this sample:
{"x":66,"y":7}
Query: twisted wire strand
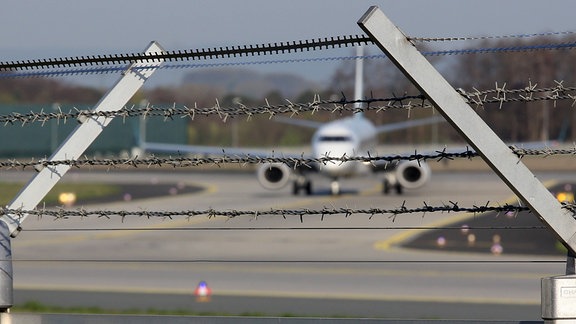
{"x":116,"y":69}
{"x":505,"y":49}
{"x":183,"y":162}
{"x":288,"y":228}
{"x":193,"y":54}
{"x":354,"y":261}
{"x":477,"y":98}
{"x":258,"y":49}
{"x":469,"y":38}
{"x":168,"y":113}
{"x":295,"y":162}
{"x":452,"y":207}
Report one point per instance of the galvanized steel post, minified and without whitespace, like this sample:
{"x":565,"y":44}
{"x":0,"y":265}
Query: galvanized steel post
{"x":558,"y":293}
{"x":83,"y":135}
{"x":72,"y":148}
{"x":6,"y":281}
{"x":467,"y":122}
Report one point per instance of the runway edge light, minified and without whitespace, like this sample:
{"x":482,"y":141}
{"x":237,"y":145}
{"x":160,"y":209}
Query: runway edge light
{"x":202,"y":292}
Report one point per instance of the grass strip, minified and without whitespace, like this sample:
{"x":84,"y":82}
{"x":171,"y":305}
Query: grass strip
{"x":83,"y":191}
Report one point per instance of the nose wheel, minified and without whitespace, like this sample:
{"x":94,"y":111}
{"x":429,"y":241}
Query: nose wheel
{"x":335,"y":188}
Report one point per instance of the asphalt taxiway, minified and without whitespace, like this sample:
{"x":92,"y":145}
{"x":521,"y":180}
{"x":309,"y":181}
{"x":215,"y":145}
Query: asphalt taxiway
{"x":355,"y":259}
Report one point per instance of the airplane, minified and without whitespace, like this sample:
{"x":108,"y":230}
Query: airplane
{"x":349,"y":136}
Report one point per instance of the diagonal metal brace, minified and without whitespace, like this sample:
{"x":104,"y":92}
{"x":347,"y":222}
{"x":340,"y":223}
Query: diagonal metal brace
{"x":83,"y":135}
{"x":465,"y":120}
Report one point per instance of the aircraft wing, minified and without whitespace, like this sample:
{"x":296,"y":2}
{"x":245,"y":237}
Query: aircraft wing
{"x":200,"y":150}
{"x":213,"y":151}
{"x":380,"y":129}
{"x":299,"y":122}
{"x":408,"y":124}
{"x":454,"y":149}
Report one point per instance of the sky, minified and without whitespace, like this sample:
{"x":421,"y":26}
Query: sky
{"x":42,"y":29}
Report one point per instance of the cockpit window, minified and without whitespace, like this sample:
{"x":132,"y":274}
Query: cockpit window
{"x":334,"y":139}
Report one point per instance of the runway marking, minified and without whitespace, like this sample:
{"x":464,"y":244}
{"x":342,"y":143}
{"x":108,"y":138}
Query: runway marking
{"x":208,"y":190}
{"x":396,"y":298}
{"x":403,"y":236}
{"x":109,"y":234}
{"x":322,"y":271}
{"x":306,"y":271}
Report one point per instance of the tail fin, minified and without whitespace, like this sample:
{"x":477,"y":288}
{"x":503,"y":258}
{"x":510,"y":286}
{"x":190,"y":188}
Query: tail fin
{"x":359,"y":80}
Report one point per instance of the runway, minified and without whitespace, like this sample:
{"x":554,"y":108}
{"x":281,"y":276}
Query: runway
{"x":345,"y":258}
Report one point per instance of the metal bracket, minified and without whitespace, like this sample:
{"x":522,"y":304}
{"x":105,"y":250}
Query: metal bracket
{"x":80,"y":139}
{"x":6,"y":274}
{"x":570,"y":263}
{"x":465,"y":120}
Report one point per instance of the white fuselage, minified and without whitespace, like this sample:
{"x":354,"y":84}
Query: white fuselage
{"x":349,"y":137}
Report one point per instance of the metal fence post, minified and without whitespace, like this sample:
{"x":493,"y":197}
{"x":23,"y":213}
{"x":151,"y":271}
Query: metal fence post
{"x":6,"y":281}
{"x":558,"y":293}
{"x":77,"y":142}
{"x":570,"y":263}
{"x":80,"y":139}
{"x":465,"y":120}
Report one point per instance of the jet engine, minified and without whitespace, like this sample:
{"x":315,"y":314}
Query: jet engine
{"x":273,"y":175}
{"x":412,"y":175}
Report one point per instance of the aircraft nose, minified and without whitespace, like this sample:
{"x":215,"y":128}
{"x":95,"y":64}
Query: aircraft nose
{"x":336,"y":168}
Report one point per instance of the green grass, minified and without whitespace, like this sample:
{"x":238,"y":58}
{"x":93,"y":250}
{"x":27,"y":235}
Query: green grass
{"x":561,"y":248}
{"x":36,"y":307}
{"x":83,"y":191}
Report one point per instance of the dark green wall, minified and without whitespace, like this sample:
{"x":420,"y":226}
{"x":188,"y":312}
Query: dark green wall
{"x":36,"y":140}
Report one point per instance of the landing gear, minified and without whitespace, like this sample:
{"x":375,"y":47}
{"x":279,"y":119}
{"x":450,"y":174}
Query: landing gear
{"x":390,"y":182}
{"x":302,"y":183}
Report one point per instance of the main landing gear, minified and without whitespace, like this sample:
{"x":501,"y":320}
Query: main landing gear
{"x":390,"y":182}
{"x":302,"y":183}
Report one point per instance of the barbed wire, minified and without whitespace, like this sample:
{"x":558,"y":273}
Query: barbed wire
{"x":169,"y":66}
{"x":300,"y":228}
{"x":502,"y":95}
{"x":477,"y":98}
{"x":470,"y":38}
{"x":300,"y":162}
{"x":120,"y":68}
{"x":506,"y":49}
{"x":392,"y":213}
{"x":531,"y":88}
{"x":182,"y":162}
{"x":252,"y":261}
{"x":168,"y":113}
{"x":252,"y":50}
{"x":522,"y":152}
{"x":193,"y":54}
